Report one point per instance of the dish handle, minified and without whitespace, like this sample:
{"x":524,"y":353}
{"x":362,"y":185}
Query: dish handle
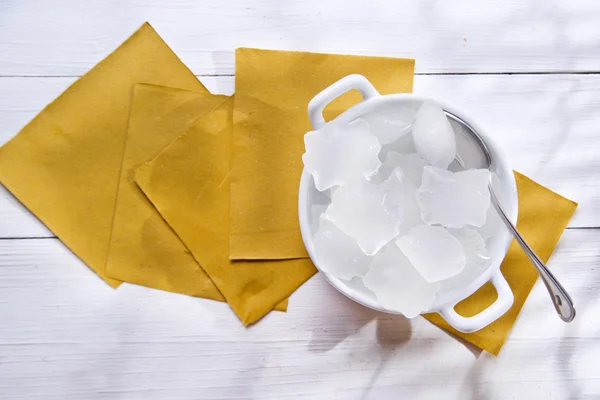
{"x":496,"y":310}
{"x":320,"y":101}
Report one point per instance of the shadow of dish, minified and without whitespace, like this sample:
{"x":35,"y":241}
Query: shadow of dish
{"x":393,"y":332}
{"x":346,"y":318}
{"x":476,"y":351}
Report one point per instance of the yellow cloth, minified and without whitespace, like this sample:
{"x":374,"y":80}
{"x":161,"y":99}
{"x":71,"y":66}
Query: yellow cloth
{"x":543,"y":216}
{"x":272,"y":91}
{"x":64,"y":165}
{"x":143,"y":248}
{"x":189,"y":184}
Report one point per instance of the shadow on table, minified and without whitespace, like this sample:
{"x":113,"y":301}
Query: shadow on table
{"x":476,"y":351}
{"x":393,"y":332}
{"x":346,"y":318}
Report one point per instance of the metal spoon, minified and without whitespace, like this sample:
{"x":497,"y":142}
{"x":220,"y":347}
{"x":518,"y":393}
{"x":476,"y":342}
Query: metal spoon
{"x":560,"y":298}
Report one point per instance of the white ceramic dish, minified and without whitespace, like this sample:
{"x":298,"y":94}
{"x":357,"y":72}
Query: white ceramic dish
{"x":504,"y":185}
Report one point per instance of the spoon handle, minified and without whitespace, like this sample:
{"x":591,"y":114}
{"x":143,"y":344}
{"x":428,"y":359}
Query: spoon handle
{"x":560,"y":298}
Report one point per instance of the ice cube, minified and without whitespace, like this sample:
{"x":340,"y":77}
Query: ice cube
{"x":320,"y":197}
{"x":357,"y":208}
{"x":338,"y":253}
{"x":454,"y":199}
{"x":477,"y":257}
{"x":493,"y":224}
{"x":400,"y":201}
{"x":397,"y":285}
{"x":339,"y":151}
{"x":390,"y":124}
{"x":403,"y":145}
{"x":412,"y":165}
{"x":375,"y":179}
{"x":434,"y":252}
{"x":358,"y":284}
{"x":433,"y":135}
{"x":316,"y":210}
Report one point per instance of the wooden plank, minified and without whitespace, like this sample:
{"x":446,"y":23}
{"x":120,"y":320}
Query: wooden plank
{"x":488,"y":36}
{"x":544,"y":123}
{"x":66,"y":334}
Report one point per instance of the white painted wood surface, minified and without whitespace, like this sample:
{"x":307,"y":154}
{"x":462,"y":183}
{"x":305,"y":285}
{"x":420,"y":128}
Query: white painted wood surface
{"x":67,"y":36}
{"x":66,"y":335}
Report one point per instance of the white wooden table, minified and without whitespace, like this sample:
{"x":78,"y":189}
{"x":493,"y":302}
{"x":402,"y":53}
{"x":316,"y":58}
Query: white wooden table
{"x":528,"y":70}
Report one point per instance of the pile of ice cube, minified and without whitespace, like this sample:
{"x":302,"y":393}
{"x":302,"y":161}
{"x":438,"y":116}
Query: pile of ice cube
{"x":394,"y":215}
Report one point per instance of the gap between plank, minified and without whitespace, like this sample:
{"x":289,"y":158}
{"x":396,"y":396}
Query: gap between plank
{"x":570,"y":228}
{"x":416,"y":73}
{"x":28,"y":238}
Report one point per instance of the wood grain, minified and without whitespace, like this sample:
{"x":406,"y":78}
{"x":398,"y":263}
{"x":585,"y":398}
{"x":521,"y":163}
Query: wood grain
{"x":485,"y":36}
{"x":527,"y":71}
{"x":65,"y":334}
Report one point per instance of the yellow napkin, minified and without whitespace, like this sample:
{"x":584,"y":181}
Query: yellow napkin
{"x":64,"y":165}
{"x":189,"y":184}
{"x":272,"y":91}
{"x":143,"y":247}
{"x":543,"y":216}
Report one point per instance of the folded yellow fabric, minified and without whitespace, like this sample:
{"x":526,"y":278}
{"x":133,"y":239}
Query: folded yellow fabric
{"x":143,"y":247}
{"x":272,"y":91}
{"x":543,"y":216}
{"x":189,"y":184}
{"x":64,"y":165}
